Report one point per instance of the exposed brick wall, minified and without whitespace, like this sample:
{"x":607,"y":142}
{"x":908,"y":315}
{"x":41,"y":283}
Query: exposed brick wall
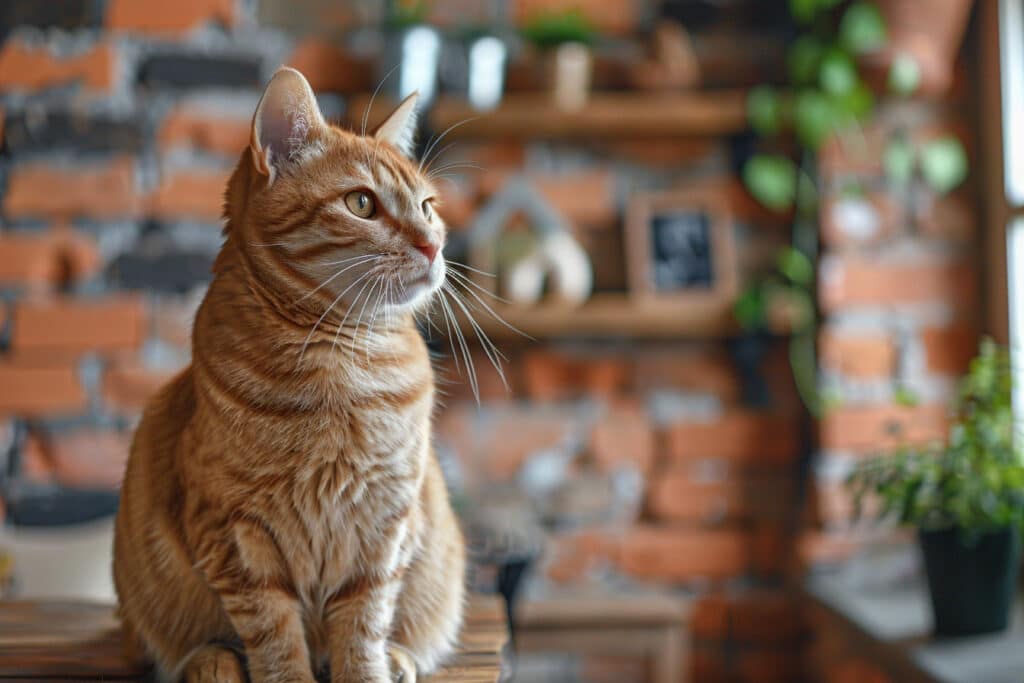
{"x":901,"y":314}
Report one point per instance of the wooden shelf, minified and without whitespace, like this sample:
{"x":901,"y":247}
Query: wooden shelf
{"x":610,"y":315}
{"x":607,"y":115}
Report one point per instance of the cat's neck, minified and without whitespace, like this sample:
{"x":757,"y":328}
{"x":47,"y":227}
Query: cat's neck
{"x":242,"y":313}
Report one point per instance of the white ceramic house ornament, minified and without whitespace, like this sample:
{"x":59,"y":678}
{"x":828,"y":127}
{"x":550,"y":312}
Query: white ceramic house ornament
{"x":554,"y":256}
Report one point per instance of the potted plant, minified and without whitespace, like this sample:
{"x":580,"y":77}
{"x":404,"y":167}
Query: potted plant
{"x":564,"y":37}
{"x":966,"y":498}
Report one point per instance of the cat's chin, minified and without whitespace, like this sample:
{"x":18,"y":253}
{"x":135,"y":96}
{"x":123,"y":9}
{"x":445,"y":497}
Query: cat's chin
{"x":417,"y":293}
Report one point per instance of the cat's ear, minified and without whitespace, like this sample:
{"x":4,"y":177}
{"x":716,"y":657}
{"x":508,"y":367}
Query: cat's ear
{"x":399,"y":128}
{"x":284,"y":122}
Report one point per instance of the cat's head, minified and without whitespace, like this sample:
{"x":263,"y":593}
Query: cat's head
{"x":337,"y":220}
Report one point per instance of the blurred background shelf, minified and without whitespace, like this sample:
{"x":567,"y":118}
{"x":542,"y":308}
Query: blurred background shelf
{"x":621,"y":115}
{"x":609,"y":315}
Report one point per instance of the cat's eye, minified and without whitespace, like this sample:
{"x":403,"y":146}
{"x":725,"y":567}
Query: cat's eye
{"x":360,"y":203}
{"x":428,"y":211}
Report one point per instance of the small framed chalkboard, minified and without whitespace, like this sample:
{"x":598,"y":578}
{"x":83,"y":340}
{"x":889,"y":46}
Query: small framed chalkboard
{"x":680,"y":244}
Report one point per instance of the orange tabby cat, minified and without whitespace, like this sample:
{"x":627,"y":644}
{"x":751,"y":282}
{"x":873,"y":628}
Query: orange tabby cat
{"x":282,"y":510}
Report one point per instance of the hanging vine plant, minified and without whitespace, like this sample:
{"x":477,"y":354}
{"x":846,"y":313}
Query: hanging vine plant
{"x":826,"y":95}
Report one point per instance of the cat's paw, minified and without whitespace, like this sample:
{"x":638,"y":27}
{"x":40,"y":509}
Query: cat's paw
{"x":403,"y":668}
{"x":214,"y":664}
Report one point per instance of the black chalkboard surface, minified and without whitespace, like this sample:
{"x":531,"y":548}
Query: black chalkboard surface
{"x":681,"y":251}
{"x":680,"y":245}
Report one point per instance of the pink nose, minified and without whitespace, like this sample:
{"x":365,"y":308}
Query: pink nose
{"x":428,"y":249}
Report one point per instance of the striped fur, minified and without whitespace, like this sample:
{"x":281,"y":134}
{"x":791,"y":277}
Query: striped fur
{"x":281,"y":499}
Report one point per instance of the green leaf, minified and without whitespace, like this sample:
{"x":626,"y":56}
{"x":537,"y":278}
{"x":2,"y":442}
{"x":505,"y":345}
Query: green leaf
{"x":803,"y":59}
{"x":803,"y":11}
{"x":795,"y":266}
{"x":749,"y":309}
{"x":772,"y":180}
{"x":898,"y":160}
{"x":902,"y":396}
{"x":904,"y":75}
{"x":858,"y":103}
{"x":862,"y":28}
{"x":837,"y":75}
{"x":764,"y":110}
{"x":813,"y":118}
{"x":944,"y":164}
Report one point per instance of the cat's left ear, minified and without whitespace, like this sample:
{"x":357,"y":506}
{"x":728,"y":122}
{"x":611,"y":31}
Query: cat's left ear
{"x":400,"y":127}
{"x":286,"y":119}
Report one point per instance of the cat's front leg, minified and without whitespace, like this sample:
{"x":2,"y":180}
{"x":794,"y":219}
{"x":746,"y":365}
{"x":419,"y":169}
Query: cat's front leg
{"x":263,"y":608}
{"x":358,"y":617}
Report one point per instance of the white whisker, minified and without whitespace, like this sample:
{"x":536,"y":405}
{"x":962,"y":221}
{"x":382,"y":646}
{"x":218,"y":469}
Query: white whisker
{"x":328,"y":310}
{"x":328,"y":280}
{"x":493,"y":354}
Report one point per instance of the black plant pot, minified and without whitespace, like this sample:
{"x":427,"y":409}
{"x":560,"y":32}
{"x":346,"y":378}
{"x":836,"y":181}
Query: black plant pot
{"x":972,"y":579}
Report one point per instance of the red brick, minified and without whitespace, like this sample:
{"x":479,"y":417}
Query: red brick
{"x":623,"y":436}
{"x":738,"y":435}
{"x":860,"y":220}
{"x":568,"y":556}
{"x":661,"y":553}
{"x":171,"y":320}
{"x":197,"y":194}
{"x":495,"y":444}
{"x":854,"y":280}
{"x":97,"y":191}
{"x":78,"y":326}
{"x":950,"y":217}
{"x":875,"y":429}
{"x":190,"y":126}
{"x":860,"y":155}
{"x":699,"y":371}
{"x":453,"y":380}
{"x":79,"y":253}
{"x":30,"y":68}
{"x":30,"y":260}
{"x":32,"y":390}
{"x":127,"y":388}
{"x":330,"y":68}
{"x":89,"y":459}
{"x":676,"y":496}
{"x":143,"y":16}
{"x":867,"y":356}
{"x":949,"y":350}
{"x":550,"y":375}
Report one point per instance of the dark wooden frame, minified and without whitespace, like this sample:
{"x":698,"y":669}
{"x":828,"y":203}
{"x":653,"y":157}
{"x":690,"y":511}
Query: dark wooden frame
{"x":642,"y":207}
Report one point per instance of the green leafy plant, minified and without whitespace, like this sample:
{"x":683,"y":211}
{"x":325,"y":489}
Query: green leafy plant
{"x":550,"y":28}
{"x":975,"y":480}
{"x":826,"y":97}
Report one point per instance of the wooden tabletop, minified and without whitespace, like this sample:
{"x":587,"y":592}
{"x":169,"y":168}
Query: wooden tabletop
{"x":82,"y":641}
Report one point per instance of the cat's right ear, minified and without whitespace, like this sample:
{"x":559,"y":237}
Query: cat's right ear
{"x":285,"y":120}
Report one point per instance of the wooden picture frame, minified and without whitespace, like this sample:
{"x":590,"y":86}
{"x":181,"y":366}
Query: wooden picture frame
{"x":681,"y":247}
